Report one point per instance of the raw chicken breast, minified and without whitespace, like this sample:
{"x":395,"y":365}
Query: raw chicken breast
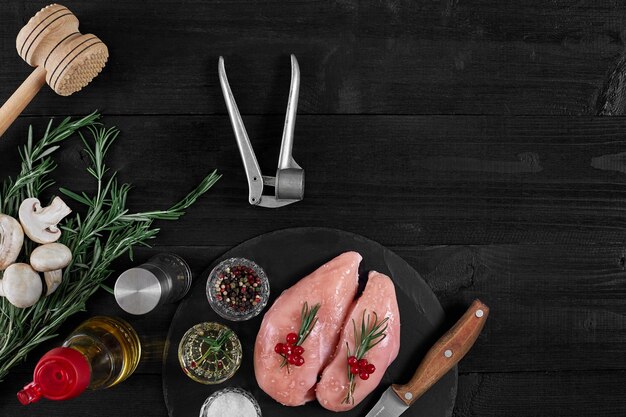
{"x":334,"y":286}
{"x":379,"y":296}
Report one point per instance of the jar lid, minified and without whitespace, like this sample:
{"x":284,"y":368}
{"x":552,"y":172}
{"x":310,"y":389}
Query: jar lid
{"x":138,"y":291}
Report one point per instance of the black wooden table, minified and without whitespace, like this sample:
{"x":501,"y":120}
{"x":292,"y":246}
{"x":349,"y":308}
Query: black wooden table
{"x":483,"y":141}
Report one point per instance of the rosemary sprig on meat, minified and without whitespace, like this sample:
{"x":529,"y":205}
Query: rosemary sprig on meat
{"x":308,"y":318}
{"x":292,"y":350}
{"x":368,"y":337}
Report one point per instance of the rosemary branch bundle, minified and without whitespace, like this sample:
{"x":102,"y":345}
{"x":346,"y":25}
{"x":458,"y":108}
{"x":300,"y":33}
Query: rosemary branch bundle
{"x":104,"y":233}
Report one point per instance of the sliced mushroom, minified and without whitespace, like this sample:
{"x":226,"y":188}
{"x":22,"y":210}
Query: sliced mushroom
{"x":40,"y":223}
{"x":53,"y":280}
{"x":21,"y":285}
{"x":50,"y":257}
{"x":11,"y":240}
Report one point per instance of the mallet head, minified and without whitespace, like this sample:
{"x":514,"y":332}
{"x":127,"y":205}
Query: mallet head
{"x":51,"y":39}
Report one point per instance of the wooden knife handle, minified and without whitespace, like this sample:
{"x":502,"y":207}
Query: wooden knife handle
{"x":21,"y":97}
{"x":446,"y":353}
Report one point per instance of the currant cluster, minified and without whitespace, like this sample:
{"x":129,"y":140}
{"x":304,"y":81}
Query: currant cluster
{"x":291,"y":351}
{"x":361,"y":367}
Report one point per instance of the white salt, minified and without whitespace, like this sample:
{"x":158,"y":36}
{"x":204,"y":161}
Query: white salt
{"x":229,"y":404}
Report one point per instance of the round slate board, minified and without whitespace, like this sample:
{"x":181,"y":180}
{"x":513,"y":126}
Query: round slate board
{"x":287,"y":256}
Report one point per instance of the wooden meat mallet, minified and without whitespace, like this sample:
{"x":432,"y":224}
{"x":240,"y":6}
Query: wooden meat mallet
{"x":62,"y":56}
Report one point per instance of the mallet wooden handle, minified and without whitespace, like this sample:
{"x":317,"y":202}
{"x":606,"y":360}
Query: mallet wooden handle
{"x":446,"y":353}
{"x":21,"y":97}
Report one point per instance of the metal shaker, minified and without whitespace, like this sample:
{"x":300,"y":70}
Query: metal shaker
{"x":164,"y":278}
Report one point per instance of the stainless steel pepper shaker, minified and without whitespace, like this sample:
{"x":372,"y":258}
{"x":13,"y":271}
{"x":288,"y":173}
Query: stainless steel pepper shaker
{"x":164,"y":278}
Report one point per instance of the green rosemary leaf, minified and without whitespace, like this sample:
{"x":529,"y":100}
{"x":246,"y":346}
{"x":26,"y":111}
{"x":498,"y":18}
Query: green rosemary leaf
{"x":47,"y":132}
{"x":71,"y":194}
{"x":107,"y":289}
{"x":48,"y":151}
{"x":377,"y":341}
{"x":29,"y":142}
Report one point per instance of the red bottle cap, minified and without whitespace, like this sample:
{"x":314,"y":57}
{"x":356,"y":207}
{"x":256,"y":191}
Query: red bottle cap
{"x":60,"y":374}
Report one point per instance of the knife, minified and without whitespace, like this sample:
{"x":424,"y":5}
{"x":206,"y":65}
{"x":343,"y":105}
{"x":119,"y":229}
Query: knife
{"x":446,"y":353}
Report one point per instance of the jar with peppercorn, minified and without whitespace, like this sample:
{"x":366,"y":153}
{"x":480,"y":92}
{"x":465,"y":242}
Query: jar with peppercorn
{"x":237,"y":289}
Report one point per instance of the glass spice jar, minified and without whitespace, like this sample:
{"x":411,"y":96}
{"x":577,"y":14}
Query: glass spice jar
{"x":209,"y":353}
{"x":237,"y":289}
{"x":230,"y":401}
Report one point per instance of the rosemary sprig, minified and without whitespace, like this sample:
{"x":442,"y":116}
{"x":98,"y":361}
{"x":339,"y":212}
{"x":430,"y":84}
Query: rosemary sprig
{"x":215,"y":346}
{"x":36,"y":163}
{"x":308,"y":319}
{"x":366,"y":339}
{"x":103,"y":233}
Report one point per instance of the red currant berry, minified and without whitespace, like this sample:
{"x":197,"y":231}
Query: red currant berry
{"x":364,"y":375}
{"x":291,"y":359}
{"x":298,"y":350}
{"x":286,"y":350}
{"x":354,"y":370}
{"x":362,"y":363}
{"x":299,"y":360}
{"x":370,"y":368}
{"x":352,"y":361}
{"x":278,"y":348}
{"x":292,"y":338}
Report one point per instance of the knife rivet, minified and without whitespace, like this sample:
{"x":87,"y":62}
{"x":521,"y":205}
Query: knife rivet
{"x":479,"y":313}
{"x":408,"y":395}
{"x":447,"y":353}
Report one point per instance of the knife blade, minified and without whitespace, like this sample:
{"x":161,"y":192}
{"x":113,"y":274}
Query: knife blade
{"x":444,"y":354}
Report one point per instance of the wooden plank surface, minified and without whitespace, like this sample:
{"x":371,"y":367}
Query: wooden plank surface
{"x":533,"y":394}
{"x":463,"y":135}
{"x":416,"y":179}
{"x":411,"y":57}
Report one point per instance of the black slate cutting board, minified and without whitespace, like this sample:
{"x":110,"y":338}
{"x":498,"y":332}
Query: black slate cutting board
{"x":287,"y":256}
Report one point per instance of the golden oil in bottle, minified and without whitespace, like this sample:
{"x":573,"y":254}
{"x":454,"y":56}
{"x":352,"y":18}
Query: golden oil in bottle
{"x":99,"y":353}
{"x":110,"y":345}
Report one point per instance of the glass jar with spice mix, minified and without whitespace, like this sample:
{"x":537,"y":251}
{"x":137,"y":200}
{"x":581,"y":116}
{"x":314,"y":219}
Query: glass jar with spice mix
{"x":237,"y":289}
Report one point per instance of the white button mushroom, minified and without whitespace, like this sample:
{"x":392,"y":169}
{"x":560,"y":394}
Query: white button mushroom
{"x":40,"y":223}
{"x":53,"y":280}
{"x":21,"y":285}
{"x":50,"y":257}
{"x":11,"y":240}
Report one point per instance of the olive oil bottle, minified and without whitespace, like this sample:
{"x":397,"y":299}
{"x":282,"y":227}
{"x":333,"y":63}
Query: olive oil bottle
{"x":100,"y":353}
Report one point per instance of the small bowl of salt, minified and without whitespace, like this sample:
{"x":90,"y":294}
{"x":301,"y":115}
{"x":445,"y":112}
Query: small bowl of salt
{"x":228,"y":402}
